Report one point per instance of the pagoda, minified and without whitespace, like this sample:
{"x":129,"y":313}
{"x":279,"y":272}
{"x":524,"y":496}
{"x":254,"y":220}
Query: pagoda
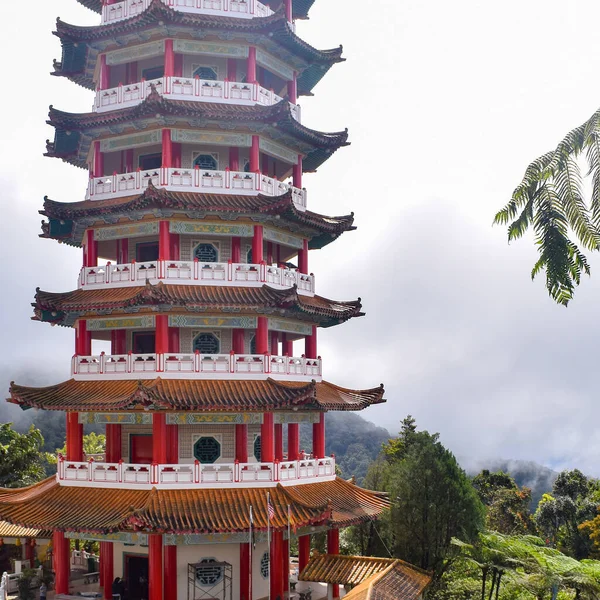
{"x":195,"y":231}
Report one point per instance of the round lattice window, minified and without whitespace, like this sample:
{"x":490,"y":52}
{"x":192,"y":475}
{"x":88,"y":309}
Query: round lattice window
{"x":207,"y":343}
{"x":257,"y":448}
{"x":264,"y":565}
{"x":206,"y":162}
{"x":206,"y":73}
{"x":209,"y":574}
{"x":207,"y":450}
{"x":206,"y":253}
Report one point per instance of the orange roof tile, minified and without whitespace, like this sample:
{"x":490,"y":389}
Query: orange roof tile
{"x":9,"y":530}
{"x":261,"y":300}
{"x":206,"y":395}
{"x":52,"y":506}
{"x":343,"y":570}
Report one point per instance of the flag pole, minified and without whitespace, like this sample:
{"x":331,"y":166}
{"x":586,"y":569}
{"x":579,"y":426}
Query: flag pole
{"x":289,"y":546}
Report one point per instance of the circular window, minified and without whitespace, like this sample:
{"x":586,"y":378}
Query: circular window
{"x":206,"y":161}
{"x":207,"y":343}
{"x":209,"y":574}
{"x":264,"y":565}
{"x":207,"y":450}
{"x":257,"y":448}
{"x":206,"y":253}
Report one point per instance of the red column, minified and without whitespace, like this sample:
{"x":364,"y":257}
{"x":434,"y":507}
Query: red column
{"x":234,"y":159}
{"x":255,"y":155}
{"x":319,"y":438}
{"x":118,"y":341}
{"x":159,"y":438}
{"x":83,"y":339}
{"x":262,"y":336}
{"x":238,"y":341}
{"x":231,"y":69}
{"x":285,"y":563}
{"x":98,"y":158}
{"x":60,"y":546}
{"x":169,"y":59}
{"x":162,"y":334}
{"x":172,"y":444}
{"x":278,"y":442}
{"x":236,"y":249}
{"x":287,"y":346}
{"x":104,"y":81}
{"x":293,"y":442}
{"x":265,"y":164}
{"x":275,"y":343}
{"x":333,"y":547}
{"x":155,"y":566}
{"x":292,"y":88}
{"x":310,"y":344}
{"x":297,"y":173}
{"x":74,"y":438}
{"x":90,"y":254}
{"x":257,"y":245}
{"x":122,"y":251}
{"x":276,"y":565}
{"x":241,"y":443}
{"x":114,"y":434}
{"x":174,"y":246}
{"x":173,"y":342}
{"x":269,"y":253}
{"x":245,"y":575}
{"x":30,"y":551}
{"x":251,"y":66}
{"x":267,"y":449}
{"x":167,"y":149}
{"x":303,"y":551}
{"x":107,"y":565}
{"x":178,"y":66}
{"x":170,"y":572}
{"x":176,"y":155}
{"x":164,"y":241}
{"x":303,"y":257}
{"x":288,"y":10}
{"x":131,"y":70}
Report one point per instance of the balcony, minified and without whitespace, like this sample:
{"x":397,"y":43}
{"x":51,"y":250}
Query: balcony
{"x":195,"y":273}
{"x":194,"y":475}
{"x":174,"y":365}
{"x":189,"y":89}
{"x":237,"y":183}
{"x":242,"y":9}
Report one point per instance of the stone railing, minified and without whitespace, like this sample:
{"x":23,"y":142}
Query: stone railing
{"x":243,"y":9}
{"x":237,"y":183}
{"x":190,"y":89}
{"x":195,"y":273}
{"x":136,"y":476}
{"x":176,"y":365}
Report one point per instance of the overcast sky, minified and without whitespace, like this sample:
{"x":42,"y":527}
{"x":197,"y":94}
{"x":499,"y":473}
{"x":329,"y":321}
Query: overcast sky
{"x":446,"y":103}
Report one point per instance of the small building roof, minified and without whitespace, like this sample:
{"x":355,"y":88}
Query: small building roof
{"x":73,"y":135}
{"x":194,"y":395}
{"x":376,"y":578}
{"x":103,"y":510}
{"x":68,"y":220}
{"x":64,"y":308}
{"x":8,"y":530}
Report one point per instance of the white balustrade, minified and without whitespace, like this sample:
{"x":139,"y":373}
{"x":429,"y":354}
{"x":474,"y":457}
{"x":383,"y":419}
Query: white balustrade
{"x":176,"y":365}
{"x":246,"y":9}
{"x":194,"y":273}
{"x":190,"y":89}
{"x":192,"y":180}
{"x":193,"y":474}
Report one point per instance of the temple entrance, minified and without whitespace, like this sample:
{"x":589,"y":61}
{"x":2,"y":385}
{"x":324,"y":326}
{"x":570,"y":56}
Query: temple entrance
{"x":136,"y":576}
{"x":140,"y":449}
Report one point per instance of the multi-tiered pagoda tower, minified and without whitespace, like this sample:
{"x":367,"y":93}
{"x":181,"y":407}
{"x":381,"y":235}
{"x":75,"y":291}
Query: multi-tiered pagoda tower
{"x":196,"y":233}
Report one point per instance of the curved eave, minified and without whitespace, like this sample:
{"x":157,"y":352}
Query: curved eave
{"x":74,"y":131}
{"x":65,"y":308}
{"x":275,"y":27}
{"x":66,"y":220}
{"x":104,"y":510}
{"x":300,"y":8}
{"x":193,"y":395}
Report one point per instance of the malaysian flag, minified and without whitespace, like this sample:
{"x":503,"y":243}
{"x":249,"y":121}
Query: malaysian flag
{"x":270,"y":508}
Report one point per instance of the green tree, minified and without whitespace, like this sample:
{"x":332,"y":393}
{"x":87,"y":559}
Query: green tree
{"x":433,"y":501}
{"x":22,"y":460}
{"x":507,"y":505}
{"x":551,"y":201}
{"x":93,"y":443}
